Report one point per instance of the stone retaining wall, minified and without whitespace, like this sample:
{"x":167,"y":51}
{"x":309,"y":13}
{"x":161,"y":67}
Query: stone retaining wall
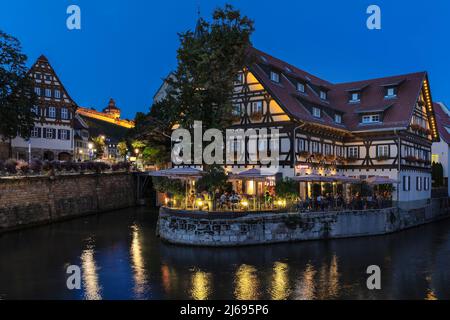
{"x":28,"y":201}
{"x":202,"y":230}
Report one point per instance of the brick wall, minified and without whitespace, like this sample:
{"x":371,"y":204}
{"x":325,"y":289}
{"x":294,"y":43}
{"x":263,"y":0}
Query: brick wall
{"x":34,"y":200}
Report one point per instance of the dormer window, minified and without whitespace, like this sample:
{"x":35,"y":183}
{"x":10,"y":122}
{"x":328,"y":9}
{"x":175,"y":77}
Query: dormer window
{"x":355,"y":97}
{"x":323,"y":95}
{"x":316,"y":112}
{"x":300,"y":87}
{"x":391,"y":92}
{"x":372,"y":118}
{"x":337,"y":118}
{"x":274,"y":76}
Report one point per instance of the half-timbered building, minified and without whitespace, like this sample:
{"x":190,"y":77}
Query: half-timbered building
{"x":52,"y":135}
{"x":377,"y":127}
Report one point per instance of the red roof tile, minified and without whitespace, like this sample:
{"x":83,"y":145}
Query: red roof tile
{"x":442,"y":120}
{"x":397,"y":112}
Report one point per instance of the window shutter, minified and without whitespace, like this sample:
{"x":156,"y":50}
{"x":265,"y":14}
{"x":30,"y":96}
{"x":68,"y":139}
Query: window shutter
{"x":409,"y":183}
{"x":39,"y":130}
{"x":54,"y":134}
{"x":59,"y":134}
{"x":68,"y":136}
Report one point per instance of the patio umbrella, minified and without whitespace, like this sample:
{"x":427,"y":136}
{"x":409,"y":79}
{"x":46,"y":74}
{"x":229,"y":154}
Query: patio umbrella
{"x":252,"y":174}
{"x":344,"y":179}
{"x":182,"y":173}
{"x":377,"y":180}
{"x":312,"y":178}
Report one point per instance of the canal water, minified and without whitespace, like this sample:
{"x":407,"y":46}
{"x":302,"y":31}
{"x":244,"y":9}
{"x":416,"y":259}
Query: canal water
{"x":121,"y":258}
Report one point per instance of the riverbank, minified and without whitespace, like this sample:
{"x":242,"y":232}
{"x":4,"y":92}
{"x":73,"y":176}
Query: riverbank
{"x":202,"y":229}
{"x":35,"y":200}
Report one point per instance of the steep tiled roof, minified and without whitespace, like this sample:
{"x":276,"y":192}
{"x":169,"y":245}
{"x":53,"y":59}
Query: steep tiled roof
{"x":443,"y":120}
{"x":397,"y":112}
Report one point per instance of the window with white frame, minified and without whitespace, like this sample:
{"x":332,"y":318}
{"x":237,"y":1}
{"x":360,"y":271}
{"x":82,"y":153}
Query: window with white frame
{"x":373,"y":118}
{"x":257,"y":107}
{"x":339,"y":151}
{"x":352,"y":152}
{"x":300,"y":87}
{"x":383,"y":151}
{"x":355,"y":97}
{"x":48,"y":77}
{"x":316,"y":112}
{"x":64,"y":113}
{"x":301,"y":145}
{"x":49,"y":133}
{"x":35,"y":132}
{"x":314,"y":146}
{"x":327,"y":149}
{"x":51,"y":112}
{"x":391,"y":92}
{"x":406,"y":183}
{"x":48,"y":93}
{"x":323,"y":95}
{"x":426,"y":183}
{"x":64,"y":134}
{"x":337,"y":118}
{"x":57,"y":94}
{"x":37,"y":90}
{"x":38,"y":76}
{"x":419,"y":183}
{"x":274,"y":76}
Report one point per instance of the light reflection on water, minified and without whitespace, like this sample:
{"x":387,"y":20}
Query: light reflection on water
{"x":121,"y":258}
{"x":92,"y":288}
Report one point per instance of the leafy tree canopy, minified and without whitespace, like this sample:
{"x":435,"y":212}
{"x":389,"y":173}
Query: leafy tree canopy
{"x":16,"y":90}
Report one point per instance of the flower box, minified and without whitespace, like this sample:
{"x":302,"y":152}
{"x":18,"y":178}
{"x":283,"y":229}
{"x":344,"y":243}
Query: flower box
{"x":255,"y":116}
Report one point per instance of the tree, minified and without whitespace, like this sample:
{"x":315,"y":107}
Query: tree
{"x":16,"y":91}
{"x":201,"y":87}
{"x":99,"y":146}
{"x":122,"y":148}
{"x":287,"y":189}
{"x":437,"y":174}
{"x":214,"y":179}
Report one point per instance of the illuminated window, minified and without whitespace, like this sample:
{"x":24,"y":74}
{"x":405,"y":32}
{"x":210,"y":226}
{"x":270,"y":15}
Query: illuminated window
{"x":435,"y":158}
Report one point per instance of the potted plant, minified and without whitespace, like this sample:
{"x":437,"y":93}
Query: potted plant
{"x":255,"y":116}
{"x":318,"y":156}
{"x":304,"y":154}
{"x":330,"y":157}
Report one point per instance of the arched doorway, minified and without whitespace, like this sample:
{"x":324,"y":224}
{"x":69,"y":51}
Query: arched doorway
{"x":64,"y":156}
{"x":48,"y":155}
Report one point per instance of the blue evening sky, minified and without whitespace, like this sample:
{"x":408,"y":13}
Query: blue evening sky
{"x":125,"y":48}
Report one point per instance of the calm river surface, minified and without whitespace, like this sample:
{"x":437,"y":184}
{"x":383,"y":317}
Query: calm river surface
{"x":121,"y":258}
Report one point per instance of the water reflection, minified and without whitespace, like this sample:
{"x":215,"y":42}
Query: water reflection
{"x":246,"y":283}
{"x":92,"y":289}
{"x":201,"y":285}
{"x":305,"y":289}
{"x":280,"y":281}
{"x":140,"y":276}
{"x":123,"y":259}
